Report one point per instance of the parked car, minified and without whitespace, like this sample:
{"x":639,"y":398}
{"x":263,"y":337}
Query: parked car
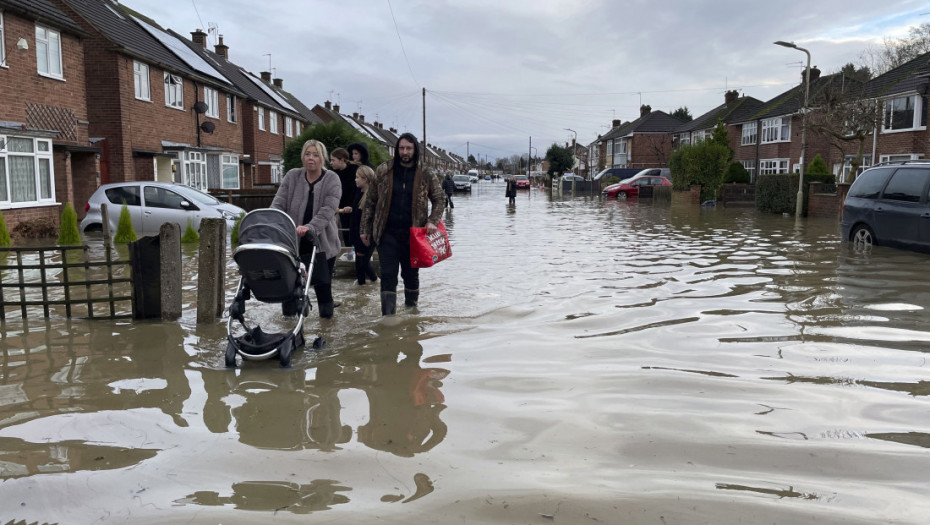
{"x":630,"y":187}
{"x":888,"y":205}
{"x":152,"y":204}
{"x":473,"y":179}
{"x":487,"y":177}
{"x":620,"y":173}
{"x":572,"y":177}
{"x":462,"y":182}
{"x":522,"y":181}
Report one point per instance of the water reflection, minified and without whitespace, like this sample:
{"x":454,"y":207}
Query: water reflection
{"x":276,"y":496}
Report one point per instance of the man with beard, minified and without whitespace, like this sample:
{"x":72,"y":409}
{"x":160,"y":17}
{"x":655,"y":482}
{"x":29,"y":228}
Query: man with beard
{"x":398,"y":199}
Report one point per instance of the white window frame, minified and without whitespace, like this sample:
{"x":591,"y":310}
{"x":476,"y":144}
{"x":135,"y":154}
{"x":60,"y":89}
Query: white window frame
{"x":750,"y":166}
{"x":232,"y":162}
{"x":231,"y":108}
{"x":894,"y":157}
{"x":212,"y":99}
{"x":749,"y":133}
{"x":684,"y":139}
{"x":773,"y":166}
{"x":288,"y":124}
{"x":2,"y":42}
{"x":776,"y":129}
{"x":610,"y":148}
{"x":142,"y":81}
{"x":174,"y":91}
{"x":195,"y":170}
{"x":261,"y":119}
{"x":277,"y":172}
{"x":49,"y":40}
{"x":41,"y":151}
{"x":620,"y":153}
{"x":273,"y":121}
{"x":916,"y":119}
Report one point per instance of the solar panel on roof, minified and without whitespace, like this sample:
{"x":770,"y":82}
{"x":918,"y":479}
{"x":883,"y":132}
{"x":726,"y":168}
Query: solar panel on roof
{"x":270,"y":92}
{"x":358,"y":126}
{"x":183,"y":52}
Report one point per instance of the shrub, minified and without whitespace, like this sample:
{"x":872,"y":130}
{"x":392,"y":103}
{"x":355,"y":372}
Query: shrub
{"x":68,"y":232}
{"x":334,"y":135}
{"x":234,"y":234}
{"x":35,"y":229}
{"x":702,"y":164}
{"x":190,"y":235}
{"x":736,"y":173}
{"x":5,"y":239}
{"x":124,"y":231}
{"x":777,"y":193}
{"x":817,"y":166}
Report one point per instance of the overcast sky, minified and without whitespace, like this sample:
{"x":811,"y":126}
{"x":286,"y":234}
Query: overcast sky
{"x":498,"y":72}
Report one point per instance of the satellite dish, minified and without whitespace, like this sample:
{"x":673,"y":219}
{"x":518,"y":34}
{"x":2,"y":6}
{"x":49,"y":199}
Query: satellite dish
{"x":208,"y":127}
{"x":200,"y":107}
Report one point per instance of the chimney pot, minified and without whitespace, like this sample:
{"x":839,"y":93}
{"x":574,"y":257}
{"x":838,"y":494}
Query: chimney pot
{"x":616,"y":123}
{"x":328,"y":105}
{"x":278,"y":83}
{"x":730,"y":96}
{"x":644,"y":110}
{"x":361,"y":118}
{"x":266,"y":76}
{"x":199,"y":37}
{"x":336,"y":108}
{"x":355,"y":115}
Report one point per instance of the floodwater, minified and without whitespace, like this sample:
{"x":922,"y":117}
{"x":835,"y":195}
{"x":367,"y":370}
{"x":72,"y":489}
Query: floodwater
{"x":576,"y":361}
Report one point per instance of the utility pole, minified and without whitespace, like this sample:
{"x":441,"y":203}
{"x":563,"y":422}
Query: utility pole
{"x":424,"y":126}
{"x":529,"y":157}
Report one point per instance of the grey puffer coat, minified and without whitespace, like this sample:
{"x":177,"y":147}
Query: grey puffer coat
{"x":291,"y":198}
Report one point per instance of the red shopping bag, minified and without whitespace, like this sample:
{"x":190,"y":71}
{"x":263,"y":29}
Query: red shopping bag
{"x":427,"y":249}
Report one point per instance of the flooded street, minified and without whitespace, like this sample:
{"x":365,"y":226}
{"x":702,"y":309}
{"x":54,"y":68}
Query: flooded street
{"x":575,"y":361}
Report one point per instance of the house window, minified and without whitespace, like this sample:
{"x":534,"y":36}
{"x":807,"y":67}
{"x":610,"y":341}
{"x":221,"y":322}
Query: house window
{"x":2,"y":40}
{"x":750,"y":166}
{"x":900,"y":157}
{"x":273,"y":122}
{"x":620,"y":153}
{"x":195,"y":170}
{"x":230,"y":173}
{"x":684,"y":139}
{"x":26,"y":172}
{"x":610,"y":148}
{"x":261,"y":119}
{"x":174,"y":91}
{"x":212,"y":100}
{"x":843,"y":171}
{"x":288,"y":124}
{"x":48,"y":52}
{"x":140,"y":73}
{"x":773,"y":166}
{"x":277,"y":173}
{"x":903,"y":113}
{"x":750,"y":131}
{"x":231,"y":108}
{"x":776,"y":130}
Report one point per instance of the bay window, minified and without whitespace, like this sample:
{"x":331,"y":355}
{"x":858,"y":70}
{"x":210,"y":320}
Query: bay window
{"x":903,"y":113}
{"x":750,"y":132}
{"x":26,"y":171}
{"x":776,"y":130}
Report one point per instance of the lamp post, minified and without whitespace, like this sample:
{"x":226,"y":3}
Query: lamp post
{"x":574,"y":138}
{"x":807,"y":89}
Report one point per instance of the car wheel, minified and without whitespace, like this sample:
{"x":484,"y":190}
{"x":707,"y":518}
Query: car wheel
{"x":93,"y":228}
{"x":863,"y":238}
{"x":621,"y":195}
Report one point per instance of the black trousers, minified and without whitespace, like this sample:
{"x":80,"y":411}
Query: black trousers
{"x":323,"y":291}
{"x":363,"y":266}
{"x":449,"y":203}
{"x":394,"y":252}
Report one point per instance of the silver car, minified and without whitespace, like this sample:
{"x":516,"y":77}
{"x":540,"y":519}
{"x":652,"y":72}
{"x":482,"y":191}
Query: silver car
{"x":152,"y":204}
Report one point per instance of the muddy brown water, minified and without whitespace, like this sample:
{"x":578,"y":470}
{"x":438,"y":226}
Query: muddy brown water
{"x":575,"y":361}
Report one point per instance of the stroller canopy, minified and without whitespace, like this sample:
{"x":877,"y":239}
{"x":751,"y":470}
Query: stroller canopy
{"x":269,"y":226}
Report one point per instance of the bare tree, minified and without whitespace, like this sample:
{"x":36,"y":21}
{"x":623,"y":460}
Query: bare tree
{"x":844,"y":116}
{"x":894,"y":52}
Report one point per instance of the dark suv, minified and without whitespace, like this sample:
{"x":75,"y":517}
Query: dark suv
{"x":888,"y":205}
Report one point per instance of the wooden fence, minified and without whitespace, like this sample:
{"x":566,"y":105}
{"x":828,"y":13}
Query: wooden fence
{"x":51,"y":276}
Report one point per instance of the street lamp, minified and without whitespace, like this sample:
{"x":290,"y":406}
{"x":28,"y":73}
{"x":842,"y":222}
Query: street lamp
{"x":807,"y":90}
{"x":574,"y":139}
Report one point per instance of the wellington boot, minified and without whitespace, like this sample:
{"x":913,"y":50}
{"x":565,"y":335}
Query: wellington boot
{"x":388,"y":303}
{"x":326,"y":310}
{"x":411,"y":297}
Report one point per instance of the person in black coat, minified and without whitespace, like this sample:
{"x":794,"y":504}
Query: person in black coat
{"x":363,"y":178}
{"x":448,"y":186}
{"x":339,"y":160}
{"x":511,"y":191}
{"x":359,"y":153}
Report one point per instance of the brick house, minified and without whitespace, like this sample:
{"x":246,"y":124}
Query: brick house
{"x":643,"y":143}
{"x":769,"y":140}
{"x":45,"y":155}
{"x":158,"y":111}
{"x":733,"y":109}
{"x":902,"y":99}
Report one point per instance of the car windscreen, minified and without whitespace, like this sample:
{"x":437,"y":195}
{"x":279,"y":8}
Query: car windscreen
{"x":461,"y":178}
{"x":195,"y":195}
{"x":520,"y":177}
{"x":869,"y":184}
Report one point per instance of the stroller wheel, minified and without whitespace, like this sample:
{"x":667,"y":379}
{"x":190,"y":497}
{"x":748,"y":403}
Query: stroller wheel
{"x":284,"y":353}
{"x":318,"y":343}
{"x":230,"y":355}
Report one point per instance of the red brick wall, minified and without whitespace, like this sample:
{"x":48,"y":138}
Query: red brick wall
{"x":822,"y":204}
{"x":650,"y":150}
{"x":901,"y":142}
{"x":15,"y":216}
{"x":830,"y":150}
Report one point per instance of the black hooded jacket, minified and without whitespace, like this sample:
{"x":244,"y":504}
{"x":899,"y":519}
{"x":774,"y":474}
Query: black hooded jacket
{"x":362,"y":148}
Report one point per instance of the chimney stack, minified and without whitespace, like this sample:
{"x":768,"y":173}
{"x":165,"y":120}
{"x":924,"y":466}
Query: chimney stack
{"x":222,"y":49}
{"x":336,"y":108}
{"x":328,"y":105}
{"x":355,"y":115}
{"x":278,"y":83}
{"x":815,"y":74}
{"x":266,"y":76}
{"x":361,"y":118}
{"x":730,"y":96}
{"x":615,"y":123}
{"x":645,"y":110}
{"x":199,"y":37}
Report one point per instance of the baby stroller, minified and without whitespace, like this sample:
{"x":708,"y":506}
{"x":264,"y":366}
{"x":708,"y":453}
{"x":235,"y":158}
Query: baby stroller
{"x":270,"y":269}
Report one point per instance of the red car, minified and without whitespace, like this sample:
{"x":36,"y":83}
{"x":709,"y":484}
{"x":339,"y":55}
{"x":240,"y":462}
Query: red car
{"x":630,"y":187}
{"x":522,"y":182}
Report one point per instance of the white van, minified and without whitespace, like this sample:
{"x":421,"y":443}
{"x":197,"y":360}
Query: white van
{"x":473,"y":175}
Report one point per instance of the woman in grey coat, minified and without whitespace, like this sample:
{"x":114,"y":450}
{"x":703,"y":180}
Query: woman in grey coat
{"x":310,"y":195}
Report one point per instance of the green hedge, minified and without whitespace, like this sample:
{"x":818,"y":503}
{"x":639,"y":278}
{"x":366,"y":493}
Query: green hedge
{"x":779,"y":193}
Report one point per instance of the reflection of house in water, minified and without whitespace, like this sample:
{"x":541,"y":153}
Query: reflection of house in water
{"x":296,"y":498}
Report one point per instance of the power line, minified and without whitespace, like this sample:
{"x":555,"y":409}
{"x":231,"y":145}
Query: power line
{"x":396,"y":30}
{"x":198,"y":12}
